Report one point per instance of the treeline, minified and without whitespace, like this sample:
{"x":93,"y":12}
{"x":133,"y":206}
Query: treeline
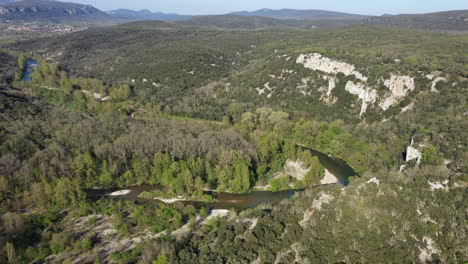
{"x":414,"y":216}
{"x":8,"y":65}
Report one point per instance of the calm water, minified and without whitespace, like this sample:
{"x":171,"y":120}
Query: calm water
{"x":224,"y":200}
{"x":30,"y":66}
{"x":240,"y":201}
{"x":336,"y":166}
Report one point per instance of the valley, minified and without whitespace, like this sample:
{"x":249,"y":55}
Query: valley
{"x":272,"y":136}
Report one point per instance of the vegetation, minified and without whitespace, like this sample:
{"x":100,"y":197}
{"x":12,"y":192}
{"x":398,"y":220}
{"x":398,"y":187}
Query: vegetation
{"x":180,"y":109}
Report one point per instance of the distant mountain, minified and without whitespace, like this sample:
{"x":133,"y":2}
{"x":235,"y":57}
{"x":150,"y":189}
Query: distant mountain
{"x":50,"y":11}
{"x":299,"y":14}
{"x":144,"y":15}
{"x":242,"y":22}
{"x":440,"y":21}
{"x":12,"y":1}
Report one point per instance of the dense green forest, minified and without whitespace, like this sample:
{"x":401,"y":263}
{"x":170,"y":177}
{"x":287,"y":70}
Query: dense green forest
{"x":180,"y":107}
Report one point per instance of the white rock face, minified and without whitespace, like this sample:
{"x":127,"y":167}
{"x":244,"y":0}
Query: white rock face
{"x":253,"y":222}
{"x":315,"y":61}
{"x":120,"y":193}
{"x":413,"y":154}
{"x":434,"y":83}
{"x":266,"y":87}
{"x":399,"y":87}
{"x":374,"y":180}
{"x":331,"y":84}
{"x":408,"y":107}
{"x":426,"y":253}
{"x":439,"y":185}
{"x":295,"y":169}
{"x":216,"y":213}
{"x":366,"y":94}
{"x":171,"y":200}
{"x":329,"y":178}
{"x":316,"y":205}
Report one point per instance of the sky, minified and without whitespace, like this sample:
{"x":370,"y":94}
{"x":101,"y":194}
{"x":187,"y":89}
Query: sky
{"x":206,"y":7}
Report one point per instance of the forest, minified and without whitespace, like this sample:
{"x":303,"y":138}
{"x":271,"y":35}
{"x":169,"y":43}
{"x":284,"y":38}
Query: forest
{"x":180,"y":109}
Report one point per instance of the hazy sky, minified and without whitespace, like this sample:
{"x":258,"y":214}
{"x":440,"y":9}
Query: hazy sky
{"x":198,"y":7}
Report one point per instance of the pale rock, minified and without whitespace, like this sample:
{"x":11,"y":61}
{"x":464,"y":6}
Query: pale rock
{"x":434,"y":83}
{"x":316,"y":61}
{"x":266,"y":87}
{"x":316,"y":205}
{"x":216,"y":213}
{"x":120,"y":193}
{"x":426,"y":253}
{"x":171,"y":200}
{"x":413,"y":154}
{"x":439,"y":185}
{"x":331,"y":84}
{"x":253,"y":222}
{"x":329,"y":178}
{"x":408,"y":107}
{"x":374,"y":180}
{"x":399,"y":87}
{"x":366,"y":94}
{"x":295,"y":169}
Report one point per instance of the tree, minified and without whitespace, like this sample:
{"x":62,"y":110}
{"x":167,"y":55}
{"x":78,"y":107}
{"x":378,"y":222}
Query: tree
{"x":10,"y":250}
{"x":277,"y":118}
{"x":85,"y":166}
{"x":4,"y":186}
{"x":122,"y":93}
{"x":161,"y":260}
{"x":13,"y":224}
{"x":105,"y":178}
{"x":315,"y":174}
{"x":241,"y":177}
{"x":430,"y":155}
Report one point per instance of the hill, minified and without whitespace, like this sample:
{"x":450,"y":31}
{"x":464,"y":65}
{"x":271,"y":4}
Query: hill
{"x":145,"y":14}
{"x":242,"y":22}
{"x":299,"y":14}
{"x":51,"y":11}
{"x":166,"y":111}
{"x":170,"y":61}
{"x":440,"y":21}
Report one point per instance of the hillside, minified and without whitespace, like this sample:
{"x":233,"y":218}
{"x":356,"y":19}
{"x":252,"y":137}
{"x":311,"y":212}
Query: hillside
{"x":299,"y":14}
{"x":7,"y":67}
{"x":188,"y":62}
{"x":242,"y":22}
{"x":441,"y":21}
{"x":233,"y":139}
{"x":145,"y":14}
{"x":51,"y":12}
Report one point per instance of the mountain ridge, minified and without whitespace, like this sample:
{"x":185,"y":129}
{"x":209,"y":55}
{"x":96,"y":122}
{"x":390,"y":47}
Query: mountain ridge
{"x":145,"y":14}
{"x":299,"y":14}
{"x":50,"y":11}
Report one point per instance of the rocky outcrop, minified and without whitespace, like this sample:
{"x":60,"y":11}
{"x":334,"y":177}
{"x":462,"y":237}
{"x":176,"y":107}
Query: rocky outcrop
{"x":48,"y":10}
{"x":426,"y":252}
{"x":413,"y":154}
{"x":316,"y":61}
{"x":329,"y":178}
{"x":316,"y":206}
{"x":439,"y":185}
{"x":366,"y":94}
{"x":295,"y":169}
{"x":435,"y":80}
{"x":399,"y":87}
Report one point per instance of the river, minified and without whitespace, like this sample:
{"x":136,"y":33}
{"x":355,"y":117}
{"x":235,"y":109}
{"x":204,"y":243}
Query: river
{"x":336,"y":166}
{"x":31,"y":64}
